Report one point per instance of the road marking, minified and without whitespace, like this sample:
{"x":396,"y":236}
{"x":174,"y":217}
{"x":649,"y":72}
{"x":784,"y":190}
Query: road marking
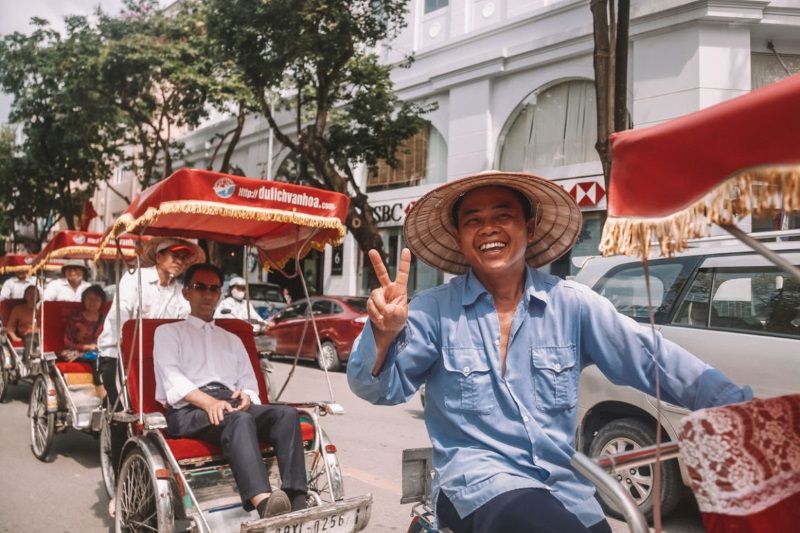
{"x":372,"y":479}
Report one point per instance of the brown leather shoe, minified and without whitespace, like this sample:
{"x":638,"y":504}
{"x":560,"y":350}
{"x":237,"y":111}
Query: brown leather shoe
{"x":277,"y":503}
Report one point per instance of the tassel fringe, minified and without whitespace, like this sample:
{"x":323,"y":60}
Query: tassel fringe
{"x":757,"y":191}
{"x":127,"y":223}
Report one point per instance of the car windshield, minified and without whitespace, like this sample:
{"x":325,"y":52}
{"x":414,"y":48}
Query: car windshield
{"x":266,"y":292}
{"x":358,"y":304}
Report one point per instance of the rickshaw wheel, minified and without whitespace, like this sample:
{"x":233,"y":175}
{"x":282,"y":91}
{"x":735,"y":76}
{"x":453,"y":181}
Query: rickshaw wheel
{"x":42,"y":422}
{"x":106,"y":464}
{"x":137,"y":503}
{"x":318,"y":479}
{"x":327,"y":358}
{"x":629,"y":434}
{"x":4,"y":382}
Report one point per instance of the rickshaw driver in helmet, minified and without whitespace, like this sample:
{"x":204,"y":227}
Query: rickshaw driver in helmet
{"x":206,"y":381}
{"x":163,"y":261}
{"x":500,"y":349}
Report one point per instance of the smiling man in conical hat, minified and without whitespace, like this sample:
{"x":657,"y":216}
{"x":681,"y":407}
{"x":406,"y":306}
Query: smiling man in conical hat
{"x":500,"y":348}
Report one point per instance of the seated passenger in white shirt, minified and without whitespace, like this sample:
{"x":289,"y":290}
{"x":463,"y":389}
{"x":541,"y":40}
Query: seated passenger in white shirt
{"x":70,"y":288}
{"x":14,"y":287}
{"x":205,"y":379}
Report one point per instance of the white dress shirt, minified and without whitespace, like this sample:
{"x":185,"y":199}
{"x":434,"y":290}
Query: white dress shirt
{"x":193,"y":353}
{"x":59,"y":290}
{"x":158,"y":301}
{"x":14,"y":289}
{"x":238,"y":309}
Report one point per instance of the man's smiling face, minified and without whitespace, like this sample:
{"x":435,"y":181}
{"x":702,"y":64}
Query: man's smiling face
{"x":492,"y":231}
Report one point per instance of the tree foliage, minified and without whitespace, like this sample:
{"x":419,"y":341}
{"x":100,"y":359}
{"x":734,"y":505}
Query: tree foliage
{"x":317,"y":59}
{"x":70,"y":135}
{"x":162,"y":73}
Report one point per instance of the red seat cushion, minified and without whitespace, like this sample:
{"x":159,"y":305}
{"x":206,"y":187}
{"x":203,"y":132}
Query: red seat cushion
{"x":6,"y":306}
{"x":194,"y":448}
{"x":183,"y":448}
{"x":54,"y":317}
{"x":74,"y":367}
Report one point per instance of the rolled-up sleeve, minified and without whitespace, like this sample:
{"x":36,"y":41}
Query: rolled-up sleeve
{"x":628,"y":354}
{"x":171,"y":385}
{"x":407,"y":362}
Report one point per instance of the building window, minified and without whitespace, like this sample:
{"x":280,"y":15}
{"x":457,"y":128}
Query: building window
{"x":433,"y":5}
{"x":766,"y":68}
{"x":552,"y":127}
{"x":422,"y":158}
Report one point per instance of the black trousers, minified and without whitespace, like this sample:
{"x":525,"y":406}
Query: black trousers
{"x":520,"y":511}
{"x":119,"y":433}
{"x":238,"y":435}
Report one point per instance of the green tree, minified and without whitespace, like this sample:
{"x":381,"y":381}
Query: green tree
{"x":159,"y":68}
{"x":69,"y":133}
{"x":316,"y":58}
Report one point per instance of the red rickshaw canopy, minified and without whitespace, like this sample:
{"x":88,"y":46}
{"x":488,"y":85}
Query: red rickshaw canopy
{"x":11,"y":263}
{"x":70,"y":244}
{"x":281,"y":220}
{"x":736,"y":158}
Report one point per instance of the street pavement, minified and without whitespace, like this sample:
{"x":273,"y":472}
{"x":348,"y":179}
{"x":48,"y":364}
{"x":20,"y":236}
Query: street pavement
{"x":66,"y":495}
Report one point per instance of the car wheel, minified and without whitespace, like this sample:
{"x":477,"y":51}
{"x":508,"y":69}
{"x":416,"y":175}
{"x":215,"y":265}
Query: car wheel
{"x":327,"y":358}
{"x":627,"y":434}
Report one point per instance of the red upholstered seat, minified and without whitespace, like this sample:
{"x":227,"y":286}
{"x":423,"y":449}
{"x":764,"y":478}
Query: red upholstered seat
{"x":6,"y":306}
{"x":744,"y":464}
{"x":185,"y":448}
{"x":74,"y":367}
{"x":54,"y":316}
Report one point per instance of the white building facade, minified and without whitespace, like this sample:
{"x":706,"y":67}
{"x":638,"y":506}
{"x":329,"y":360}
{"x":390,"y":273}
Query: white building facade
{"x":513,"y":84}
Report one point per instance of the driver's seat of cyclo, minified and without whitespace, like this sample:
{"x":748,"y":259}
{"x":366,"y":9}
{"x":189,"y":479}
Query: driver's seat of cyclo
{"x":6,"y":306}
{"x":56,"y":316}
{"x":187,"y":450}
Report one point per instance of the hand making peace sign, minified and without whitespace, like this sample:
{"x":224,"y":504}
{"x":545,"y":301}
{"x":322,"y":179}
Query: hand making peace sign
{"x":388,"y":304}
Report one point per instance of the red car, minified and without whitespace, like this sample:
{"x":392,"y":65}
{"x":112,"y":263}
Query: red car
{"x":339,"y":320}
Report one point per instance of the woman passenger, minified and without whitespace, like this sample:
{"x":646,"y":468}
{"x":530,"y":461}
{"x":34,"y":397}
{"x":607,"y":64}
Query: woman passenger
{"x":83,"y":328}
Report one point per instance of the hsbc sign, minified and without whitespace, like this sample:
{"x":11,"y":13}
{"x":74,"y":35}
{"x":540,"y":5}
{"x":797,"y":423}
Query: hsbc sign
{"x":392,"y":213}
{"x":589,"y":193}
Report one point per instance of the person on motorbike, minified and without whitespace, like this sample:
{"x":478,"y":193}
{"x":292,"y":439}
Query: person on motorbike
{"x":500,"y":348}
{"x":235,"y":305}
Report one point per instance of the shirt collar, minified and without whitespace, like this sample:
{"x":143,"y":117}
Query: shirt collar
{"x":199,"y":323}
{"x":535,"y":286}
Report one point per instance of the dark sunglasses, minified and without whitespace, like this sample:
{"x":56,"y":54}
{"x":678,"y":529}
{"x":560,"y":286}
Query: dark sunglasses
{"x":202,"y":287}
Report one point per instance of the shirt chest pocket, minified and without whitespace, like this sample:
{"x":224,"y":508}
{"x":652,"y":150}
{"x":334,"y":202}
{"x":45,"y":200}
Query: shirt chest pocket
{"x":467,"y":381}
{"x":555,"y":377}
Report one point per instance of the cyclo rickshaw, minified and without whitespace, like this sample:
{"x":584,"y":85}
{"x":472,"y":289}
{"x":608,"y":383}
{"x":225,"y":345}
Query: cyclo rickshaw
{"x":172,"y":484}
{"x":63,"y":394}
{"x":668,"y":184}
{"x":12,"y":369}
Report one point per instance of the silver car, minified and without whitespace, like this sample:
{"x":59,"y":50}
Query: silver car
{"x":720,"y":301}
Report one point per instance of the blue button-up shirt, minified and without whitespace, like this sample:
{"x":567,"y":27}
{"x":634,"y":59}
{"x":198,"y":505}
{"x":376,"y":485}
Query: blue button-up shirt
{"x":493,"y":432}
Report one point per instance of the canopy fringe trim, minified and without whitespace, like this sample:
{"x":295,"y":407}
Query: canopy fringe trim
{"x":759,"y":191}
{"x":126,"y":223}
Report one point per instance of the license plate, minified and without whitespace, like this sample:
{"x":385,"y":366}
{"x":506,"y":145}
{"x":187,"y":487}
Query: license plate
{"x":343,"y":522}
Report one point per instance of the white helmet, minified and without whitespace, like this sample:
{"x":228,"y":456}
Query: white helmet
{"x":236,"y":281}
